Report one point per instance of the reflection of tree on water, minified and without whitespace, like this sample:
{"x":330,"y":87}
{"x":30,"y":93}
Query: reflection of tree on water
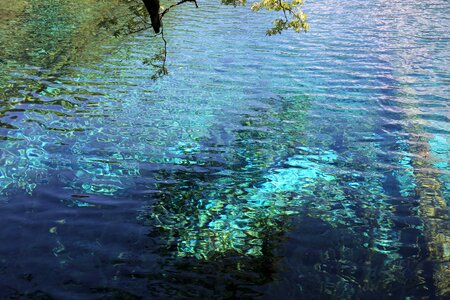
{"x":224,"y":170}
{"x":240,"y":206}
{"x":205,"y":215}
{"x":46,"y":110}
{"x":431,"y":207}
{"x":48,"y":34}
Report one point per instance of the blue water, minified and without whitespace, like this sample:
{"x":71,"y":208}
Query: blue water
{"x":301,"y":165}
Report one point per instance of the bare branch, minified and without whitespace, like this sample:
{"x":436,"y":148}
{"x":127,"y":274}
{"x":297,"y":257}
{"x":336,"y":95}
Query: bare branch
{"x":176,"y":4}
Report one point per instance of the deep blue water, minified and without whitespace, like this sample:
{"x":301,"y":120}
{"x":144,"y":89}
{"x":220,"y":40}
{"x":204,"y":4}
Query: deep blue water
{"x":295,"y":166}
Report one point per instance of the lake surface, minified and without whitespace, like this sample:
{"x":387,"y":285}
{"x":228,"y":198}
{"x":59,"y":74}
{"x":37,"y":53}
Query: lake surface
{"x":294,"y":166}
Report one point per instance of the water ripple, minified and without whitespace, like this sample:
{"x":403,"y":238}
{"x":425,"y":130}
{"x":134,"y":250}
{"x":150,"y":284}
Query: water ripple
{"x":307,"y":157}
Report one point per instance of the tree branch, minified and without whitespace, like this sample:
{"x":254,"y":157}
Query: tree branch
{"x":176,"y":4}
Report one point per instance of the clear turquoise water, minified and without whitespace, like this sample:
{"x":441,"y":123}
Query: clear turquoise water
{"x":276,"y":167}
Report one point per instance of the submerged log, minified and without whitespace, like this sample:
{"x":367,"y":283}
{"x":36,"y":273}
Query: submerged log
{"x":434,"y":212}
{"x":152,"y":7}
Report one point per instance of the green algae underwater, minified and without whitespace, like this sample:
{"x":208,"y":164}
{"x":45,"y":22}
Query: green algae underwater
{"x":292,"y":166}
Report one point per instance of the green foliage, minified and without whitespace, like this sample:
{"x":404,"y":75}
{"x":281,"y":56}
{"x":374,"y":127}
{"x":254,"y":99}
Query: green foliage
{"x":292,"y":17}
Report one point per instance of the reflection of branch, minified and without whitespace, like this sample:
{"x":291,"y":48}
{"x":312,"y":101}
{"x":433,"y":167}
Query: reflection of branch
{"x":162,"y":56}
{"x":165,"y":49}
{"x":159,"y":60}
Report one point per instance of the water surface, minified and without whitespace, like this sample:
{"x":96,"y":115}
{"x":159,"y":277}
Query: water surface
{"x":311,"y":165}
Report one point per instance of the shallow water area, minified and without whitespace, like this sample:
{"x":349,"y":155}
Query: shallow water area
{"x":299,"y":165}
